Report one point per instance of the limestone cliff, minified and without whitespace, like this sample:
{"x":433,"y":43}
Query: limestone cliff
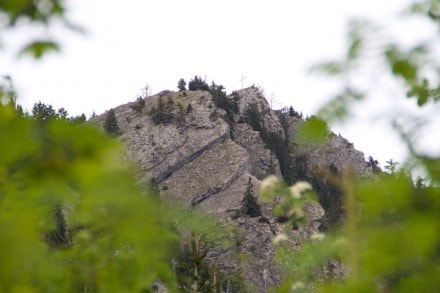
{"x":200,"y":156}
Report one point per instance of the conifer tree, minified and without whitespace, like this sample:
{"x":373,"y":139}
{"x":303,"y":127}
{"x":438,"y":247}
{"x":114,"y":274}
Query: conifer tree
{"x":249,"y":205}
{"x":198,"y":84}
{"x":111,"y":124}
{"x":181,"y":85}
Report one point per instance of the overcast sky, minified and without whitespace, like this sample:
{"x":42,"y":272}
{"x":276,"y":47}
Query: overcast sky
{"x":132,"y":43}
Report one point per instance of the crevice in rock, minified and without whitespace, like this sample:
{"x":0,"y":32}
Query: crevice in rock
{"x":216,"y":189}
{"x":179,"y":164}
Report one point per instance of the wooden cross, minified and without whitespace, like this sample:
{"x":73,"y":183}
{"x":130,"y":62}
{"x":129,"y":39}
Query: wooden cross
{"x":242,"y":79}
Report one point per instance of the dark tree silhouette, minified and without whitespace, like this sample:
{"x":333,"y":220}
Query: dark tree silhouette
{"x":249,"y":205}
{"x":111,"y":124}
{"x":181,"y":85}
{"x":198,"y":84}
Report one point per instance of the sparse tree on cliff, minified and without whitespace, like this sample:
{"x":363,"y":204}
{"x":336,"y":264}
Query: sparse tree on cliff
{"x":198,"y":84}
{"x":249,"y":205}
{"x":181,"y":85}
{"x":111,"y":124}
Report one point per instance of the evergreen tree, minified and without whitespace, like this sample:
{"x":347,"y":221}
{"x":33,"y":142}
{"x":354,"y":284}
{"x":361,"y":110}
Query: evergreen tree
{"x":79,"y":119}
{"x":391,"y":166}
{"x":164,"y":112}
{"x":111,"y":124}
{"x":138,"y":106}
{"x":43,"y":113}
{"x":181,"y":85}
{"x":180,"y":115}
{"x":373,"y":164}
{"x":198,"y":84}
{"x":249,"y":205}
{"x":293,"y":113}
{"x":253,"y":117}
{"x":62,"y":113}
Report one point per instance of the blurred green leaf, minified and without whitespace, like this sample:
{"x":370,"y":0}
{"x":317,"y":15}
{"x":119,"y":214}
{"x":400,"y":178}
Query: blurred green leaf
{"x":405,"y":69}
{"x":337,"y":109}
{"x":354,"y":49}
{"x":39,"y":48}
{"x":420,"y":91}
{"x":313,"y":132}
{"x":328,"y":68}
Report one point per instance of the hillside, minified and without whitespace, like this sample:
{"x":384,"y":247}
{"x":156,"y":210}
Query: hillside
{"x":203,"y":149}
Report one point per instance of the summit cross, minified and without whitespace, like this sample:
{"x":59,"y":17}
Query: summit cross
{"x":242,"y":80}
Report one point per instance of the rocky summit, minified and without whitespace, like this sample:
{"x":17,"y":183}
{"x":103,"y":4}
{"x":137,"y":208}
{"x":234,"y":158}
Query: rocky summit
{"x":205,"y":148}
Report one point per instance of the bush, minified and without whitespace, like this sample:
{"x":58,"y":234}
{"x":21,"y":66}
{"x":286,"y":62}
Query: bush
{"x":71,"y":216}
{"x":138,"y":106}
{"x":163,"y":113}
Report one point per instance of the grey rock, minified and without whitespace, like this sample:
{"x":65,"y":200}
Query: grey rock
{"x":197,"y":162}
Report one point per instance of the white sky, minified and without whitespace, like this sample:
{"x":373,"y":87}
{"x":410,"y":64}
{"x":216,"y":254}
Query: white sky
{"x":131,"y":43}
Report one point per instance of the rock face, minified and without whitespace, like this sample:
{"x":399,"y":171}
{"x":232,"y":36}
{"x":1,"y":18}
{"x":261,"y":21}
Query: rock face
{"x":201,"y":157}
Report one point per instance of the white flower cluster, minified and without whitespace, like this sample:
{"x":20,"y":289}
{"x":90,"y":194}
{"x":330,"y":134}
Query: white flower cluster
{"x":317,"y":236}
{"x":279,"y":238}
{"x":298,"y":189}
{"x":298,"y":286}
{"x":270,"y":182}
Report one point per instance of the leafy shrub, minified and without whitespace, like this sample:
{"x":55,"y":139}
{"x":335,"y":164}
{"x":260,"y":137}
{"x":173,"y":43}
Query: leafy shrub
{"x":71,"y":217}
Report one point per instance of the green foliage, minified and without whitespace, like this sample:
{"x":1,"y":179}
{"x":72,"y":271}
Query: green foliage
{"x":391,"y":167}
{"x":292,"y":199}
{"x":313,"y":132}
{"x":163,"y":113}
{"x":389,"y":240}
{"x":198,"y":84}
{"x":252,"y":116}
{"x":79,"y":119}
{"x":249,"y":205}
{"x":138,"y":106}
{"x":37,"y":49}
{"x":373,"y":164}
{"x":337,"y":108}
{"x":111,"y":124}
{"x":274,"y":141}
{"x":71,"y":217}
{"x":181,"y":85}
{"x":180,"y":114}
{"x":195,"y":271}
{"x":38,"y":14}
{"x":196,"y":262}
{"x":43,"y":113}
{"x":293,"y":113}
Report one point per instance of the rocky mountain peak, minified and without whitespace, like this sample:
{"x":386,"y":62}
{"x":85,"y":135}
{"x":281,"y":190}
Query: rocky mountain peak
{"x":203,"y":148}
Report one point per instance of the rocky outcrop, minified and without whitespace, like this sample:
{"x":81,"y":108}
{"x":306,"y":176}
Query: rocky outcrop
{"x":252,"y":95}
{"x":192,"y":185}
{"x":199,"y":157}
{"x":336,"y":152}
{"x":262,"y":161}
